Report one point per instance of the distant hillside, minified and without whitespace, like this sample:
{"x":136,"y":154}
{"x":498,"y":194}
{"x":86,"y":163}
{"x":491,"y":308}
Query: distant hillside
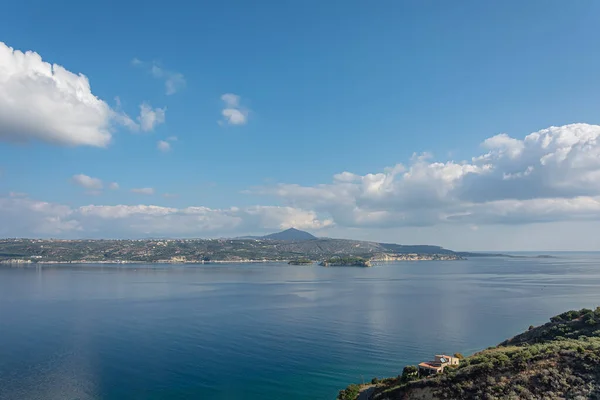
{"x":210,"y":250}
{"x":290,"y":234}
{"x":558,"y":360}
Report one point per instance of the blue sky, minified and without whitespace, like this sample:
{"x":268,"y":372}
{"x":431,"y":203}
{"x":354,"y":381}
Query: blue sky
{"x":320,"y":88}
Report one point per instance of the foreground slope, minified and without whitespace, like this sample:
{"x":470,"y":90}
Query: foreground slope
{"x":558,"y":360}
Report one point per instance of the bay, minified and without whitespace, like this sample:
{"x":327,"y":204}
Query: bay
{"x":263,"y":331}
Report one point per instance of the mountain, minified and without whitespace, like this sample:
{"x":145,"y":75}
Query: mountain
{"x":558,"y":360}
{"x":290,"y":234}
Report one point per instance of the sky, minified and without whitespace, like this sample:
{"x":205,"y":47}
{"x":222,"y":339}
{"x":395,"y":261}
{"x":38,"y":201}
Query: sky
{"x":471,"y":125}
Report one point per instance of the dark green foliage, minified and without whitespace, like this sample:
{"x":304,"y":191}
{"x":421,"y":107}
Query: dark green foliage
{"x":409,"y":373}
{"x":375,"y":381}
{"x":350,"y":393}
{"x":346,"y":261}
{"x":568,"y":325}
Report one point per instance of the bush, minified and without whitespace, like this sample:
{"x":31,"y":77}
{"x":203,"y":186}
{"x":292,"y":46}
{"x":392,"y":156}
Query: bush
{"x":350,"y":393}
{"x":409,"y":373}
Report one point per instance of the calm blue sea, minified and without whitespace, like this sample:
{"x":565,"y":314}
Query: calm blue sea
{"x":263,"y":331}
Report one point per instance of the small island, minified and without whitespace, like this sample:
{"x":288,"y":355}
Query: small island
{"x":301,"y":261}
{"x":345,"y":262}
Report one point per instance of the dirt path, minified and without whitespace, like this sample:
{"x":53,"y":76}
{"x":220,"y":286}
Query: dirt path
{"x":366,"y":392}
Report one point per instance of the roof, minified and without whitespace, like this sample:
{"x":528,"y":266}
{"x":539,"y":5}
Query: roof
{"x":429,"y":366}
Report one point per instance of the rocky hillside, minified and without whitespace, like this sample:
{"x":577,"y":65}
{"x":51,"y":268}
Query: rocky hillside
{"x":558,"y":360}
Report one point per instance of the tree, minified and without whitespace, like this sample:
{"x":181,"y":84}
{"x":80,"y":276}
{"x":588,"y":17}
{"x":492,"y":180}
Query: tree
{"x":459,"y":356}
{"x":409,"y":373}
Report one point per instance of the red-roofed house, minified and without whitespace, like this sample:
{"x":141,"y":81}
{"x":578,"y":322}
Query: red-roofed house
{"x":437,"y":365}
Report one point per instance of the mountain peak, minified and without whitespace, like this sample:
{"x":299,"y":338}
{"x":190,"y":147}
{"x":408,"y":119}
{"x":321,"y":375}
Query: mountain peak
{"x":290,"y":234}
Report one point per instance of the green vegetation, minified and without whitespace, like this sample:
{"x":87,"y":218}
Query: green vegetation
{"x":350,"y":393}
{"x":558,"y":360}
{"x":345,"y":262}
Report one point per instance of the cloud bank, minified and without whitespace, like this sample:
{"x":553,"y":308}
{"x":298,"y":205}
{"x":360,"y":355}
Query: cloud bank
{"x":24,"y":217}
{"x":550,"y":175}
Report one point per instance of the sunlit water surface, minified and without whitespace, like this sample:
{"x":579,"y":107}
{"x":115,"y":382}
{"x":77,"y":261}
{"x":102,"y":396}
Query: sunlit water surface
{"x":263,"y":331}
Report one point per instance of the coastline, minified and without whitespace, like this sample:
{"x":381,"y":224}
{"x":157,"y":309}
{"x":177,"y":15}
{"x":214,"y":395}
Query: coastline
{"x":384,"y":259}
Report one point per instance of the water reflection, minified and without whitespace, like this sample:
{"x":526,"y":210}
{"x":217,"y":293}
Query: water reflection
{"x":263,"y":330}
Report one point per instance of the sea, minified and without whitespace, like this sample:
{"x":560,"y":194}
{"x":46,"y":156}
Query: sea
{"x":263,"y":331}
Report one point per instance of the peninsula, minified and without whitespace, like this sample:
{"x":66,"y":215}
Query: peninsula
{"x":292,"y":245}
{"x":557,"y":360}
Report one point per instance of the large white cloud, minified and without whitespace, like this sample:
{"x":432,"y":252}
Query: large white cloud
{"x":550,"y":175}
{"x":24,"y":217}
{"x":46,"y":102}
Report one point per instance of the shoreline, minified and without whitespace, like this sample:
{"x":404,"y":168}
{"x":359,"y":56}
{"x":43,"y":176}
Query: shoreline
{"x":201,"y":262}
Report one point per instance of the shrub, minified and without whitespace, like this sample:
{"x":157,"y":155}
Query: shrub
{"x":350,"y":393}
{"x":409,"y":373}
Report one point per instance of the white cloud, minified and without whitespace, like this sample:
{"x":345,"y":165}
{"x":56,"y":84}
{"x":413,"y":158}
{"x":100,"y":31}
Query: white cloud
{"x":40,"y":101}
{"x":163,"y":146}
{"x":43,"y":101}
{"x":146,"y":190}
{"x":17,"y":194}
{"x":174,"y":81}
{"x":231,"y":100}
{"x":233,"y":113}
{"x":87,"y":181}
{"x":150,"y":117}
{"x":234,"y":117}
{"x":113,"y":186}
{"x":24,"y":217}
{"x":550,"y":175}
